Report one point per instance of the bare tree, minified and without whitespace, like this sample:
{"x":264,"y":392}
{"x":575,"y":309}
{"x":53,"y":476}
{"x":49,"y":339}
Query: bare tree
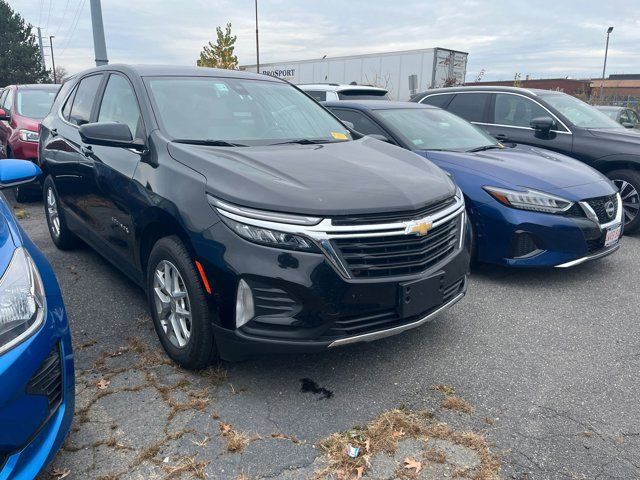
{"x":60,"y":76}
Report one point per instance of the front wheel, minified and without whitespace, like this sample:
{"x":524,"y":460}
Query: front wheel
{"x":628,"y":182}
{"x":178,"y":305}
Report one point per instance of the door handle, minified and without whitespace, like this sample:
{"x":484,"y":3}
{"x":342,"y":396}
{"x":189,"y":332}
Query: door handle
{"x":87,"y":151}
{"x":54,"y":132}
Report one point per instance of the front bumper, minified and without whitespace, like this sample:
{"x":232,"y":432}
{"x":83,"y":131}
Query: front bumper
{"x":303,"y":303}
{"x":37,"y":397}
{"x":561,"y":241}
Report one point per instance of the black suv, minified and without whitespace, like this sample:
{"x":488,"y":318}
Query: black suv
{"x":556,"y":121}
{"x":256,"y":222}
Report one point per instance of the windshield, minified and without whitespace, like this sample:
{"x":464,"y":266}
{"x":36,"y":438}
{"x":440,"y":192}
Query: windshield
{"x":435,"y":129}
{"x":579,"y":113}
{"x":34,"y":103}
{"x":611,"y":113}
{"x":240,"y":112}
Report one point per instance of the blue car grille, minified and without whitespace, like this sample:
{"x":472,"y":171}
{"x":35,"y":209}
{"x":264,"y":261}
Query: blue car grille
{"x":394,"y":255}
{"x":598,"y":205}
{"x":358,"y":324}
{"x":47,"y":381}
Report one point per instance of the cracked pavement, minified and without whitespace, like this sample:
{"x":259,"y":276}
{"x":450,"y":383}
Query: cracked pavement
{"x":549,"y":360}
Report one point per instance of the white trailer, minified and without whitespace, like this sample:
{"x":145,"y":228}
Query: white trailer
{"x":402,"y":73}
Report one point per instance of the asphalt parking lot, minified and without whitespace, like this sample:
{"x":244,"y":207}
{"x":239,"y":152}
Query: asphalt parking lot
{"x":547,"y":362}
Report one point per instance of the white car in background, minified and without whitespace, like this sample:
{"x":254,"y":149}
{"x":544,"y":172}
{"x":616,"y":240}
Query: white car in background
{"x":331,"y":92}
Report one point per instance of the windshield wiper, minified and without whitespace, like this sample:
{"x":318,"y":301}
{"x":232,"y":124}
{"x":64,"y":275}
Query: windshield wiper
{"x":210,"y":143}
{"x":306,"y":141}
{"x":485,"y":147}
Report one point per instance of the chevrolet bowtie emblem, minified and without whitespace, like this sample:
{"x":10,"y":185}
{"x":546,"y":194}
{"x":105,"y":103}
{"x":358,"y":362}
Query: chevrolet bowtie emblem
{"x":420,"y":228}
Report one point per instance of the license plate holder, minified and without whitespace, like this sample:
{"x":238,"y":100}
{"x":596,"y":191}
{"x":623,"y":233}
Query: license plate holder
{"x":613,"y":235}
{"x":420,"y":296}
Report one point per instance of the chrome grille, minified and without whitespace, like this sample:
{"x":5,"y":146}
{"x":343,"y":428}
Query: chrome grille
{"x":397,"y":255}
{"x":599,"y":207}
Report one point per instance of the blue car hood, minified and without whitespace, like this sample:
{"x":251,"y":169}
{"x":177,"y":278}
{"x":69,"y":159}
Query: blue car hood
{"x":523,"y":166}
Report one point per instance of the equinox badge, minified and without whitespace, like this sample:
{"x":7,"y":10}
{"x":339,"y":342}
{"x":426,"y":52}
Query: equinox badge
{"x":418,"y":227}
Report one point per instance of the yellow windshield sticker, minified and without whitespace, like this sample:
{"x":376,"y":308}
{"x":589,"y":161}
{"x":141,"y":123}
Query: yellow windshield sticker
{"x":339,"y":136}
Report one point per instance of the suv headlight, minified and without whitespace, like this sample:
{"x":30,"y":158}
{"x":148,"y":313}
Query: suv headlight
{"x":271,"y":238}
{"x":530,"y":200}
{"x":29,"y":136}
{"x":22,"y":300}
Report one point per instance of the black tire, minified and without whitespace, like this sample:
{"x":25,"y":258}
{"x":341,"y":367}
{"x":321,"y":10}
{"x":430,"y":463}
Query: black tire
{"x":200,"y":348}
{"x":628,"y":181}
{"x":24,"y":194}
{"x":64,"y":238}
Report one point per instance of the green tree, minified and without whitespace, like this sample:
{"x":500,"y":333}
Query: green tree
{"x":221,"y":54}
{"x":19,"y":53}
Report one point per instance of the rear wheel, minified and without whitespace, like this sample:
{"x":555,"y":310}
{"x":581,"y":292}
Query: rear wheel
{"x":628,"y":182}
{"x":178,"y":305}
{"x":63,"y":238}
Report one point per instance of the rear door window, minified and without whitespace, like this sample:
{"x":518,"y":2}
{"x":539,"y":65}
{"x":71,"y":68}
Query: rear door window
{"x":470,"y":106}
{"x":318,"y":95}
{"x":438,"y":100}
{"x":85,"y":99}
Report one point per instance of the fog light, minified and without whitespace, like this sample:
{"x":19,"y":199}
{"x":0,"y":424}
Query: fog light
{"x":244,"y":304}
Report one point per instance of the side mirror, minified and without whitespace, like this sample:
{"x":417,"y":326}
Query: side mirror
{"x":543,"y":124}
{"x":380,"y":137}
{"x":109,"y":134}
{"x":348,"y":124}
{"x":627,"y":125}
{"x":17,"y":172}
{"x":4,"y":115}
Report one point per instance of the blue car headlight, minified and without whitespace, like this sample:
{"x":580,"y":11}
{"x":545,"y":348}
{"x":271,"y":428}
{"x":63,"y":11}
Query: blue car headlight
{"x":22,"y":300}
{"x":530,"y":200}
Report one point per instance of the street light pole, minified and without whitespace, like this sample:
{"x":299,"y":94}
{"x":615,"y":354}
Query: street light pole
{"x":99,"y":44}
{"x":257,"y":42}
{"x":53,"y":61}
{"x":604,"y":68}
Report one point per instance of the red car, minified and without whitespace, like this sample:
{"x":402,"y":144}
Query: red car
{"x":22,"y":107}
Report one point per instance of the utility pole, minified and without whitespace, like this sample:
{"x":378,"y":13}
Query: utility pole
{"x":257,"y":42}
{"x":99,"y":44}
{"x":604,"y":68}
{"x":53,"y":61}
{"x":41,"y":48}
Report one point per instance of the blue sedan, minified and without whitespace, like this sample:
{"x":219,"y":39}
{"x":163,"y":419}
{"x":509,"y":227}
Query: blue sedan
{"x":36,"y":360}
{"x":528,"y":207}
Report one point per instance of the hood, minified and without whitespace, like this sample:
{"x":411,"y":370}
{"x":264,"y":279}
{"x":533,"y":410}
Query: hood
{"x":355,"y":177}
{"x":26,"y":123}
{"x":629,"y":135}
{"x":523,"y":166}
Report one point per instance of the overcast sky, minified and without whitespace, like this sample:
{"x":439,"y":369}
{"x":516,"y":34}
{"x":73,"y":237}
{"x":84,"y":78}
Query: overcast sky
{"x":541,"y":39}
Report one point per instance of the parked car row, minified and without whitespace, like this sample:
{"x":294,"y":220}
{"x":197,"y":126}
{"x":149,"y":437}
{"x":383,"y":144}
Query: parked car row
{"x":259,"y":221}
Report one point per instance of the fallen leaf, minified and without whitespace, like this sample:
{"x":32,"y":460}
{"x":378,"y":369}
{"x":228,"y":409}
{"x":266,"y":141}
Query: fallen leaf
{"x":103,"y":384}
{"x":398,"y":433}
{"x":225,"y":428}
{"x":360,"y":471}
{"x":367,"y":445}
{"x":60,"y":474}
{"x":410,"y":463}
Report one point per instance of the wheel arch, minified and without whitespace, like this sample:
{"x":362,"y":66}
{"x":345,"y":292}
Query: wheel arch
{"x":625,"y":162}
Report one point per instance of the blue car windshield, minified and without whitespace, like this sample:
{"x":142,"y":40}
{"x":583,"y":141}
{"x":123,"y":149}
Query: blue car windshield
{"x":240,"y":112}
{"x":579,"y":113}
{"x":435,"y":129}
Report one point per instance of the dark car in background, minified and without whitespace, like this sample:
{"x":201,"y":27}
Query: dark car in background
{"x":554,"y":121}
{"x":22,"y":107}
{"x":528,"y":207}
{"x":626,"y":117}
{"x":256,"y":222}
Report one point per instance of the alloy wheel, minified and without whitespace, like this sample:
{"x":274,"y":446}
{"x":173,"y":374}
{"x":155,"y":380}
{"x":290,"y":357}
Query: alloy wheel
{"x":52,"y":212}
{"x":630,"y":200}
{"x":172,"y":303}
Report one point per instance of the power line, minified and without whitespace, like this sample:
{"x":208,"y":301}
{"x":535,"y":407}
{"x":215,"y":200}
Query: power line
{"x":40,"y":13}
{"x":48,"y":15}
{"x":74,"y":25}
{"x":64,"y":15}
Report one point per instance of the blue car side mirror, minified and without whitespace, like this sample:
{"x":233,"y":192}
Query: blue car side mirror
{"x":17,"y":172}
